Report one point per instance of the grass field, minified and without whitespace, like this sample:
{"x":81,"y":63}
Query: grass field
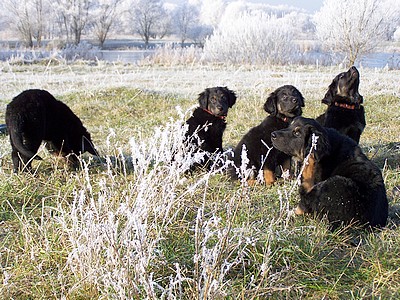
{"x":110,"y":231}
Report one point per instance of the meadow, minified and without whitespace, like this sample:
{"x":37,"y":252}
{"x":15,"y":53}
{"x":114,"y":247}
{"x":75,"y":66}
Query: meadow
{"x":135,"y":226}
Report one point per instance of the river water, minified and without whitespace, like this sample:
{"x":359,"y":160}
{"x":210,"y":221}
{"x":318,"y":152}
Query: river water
{"x":373,"y":60}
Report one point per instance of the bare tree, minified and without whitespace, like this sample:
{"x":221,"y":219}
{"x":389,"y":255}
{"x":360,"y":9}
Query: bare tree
{"x":28,"y":18}
{"x":147,"y":17}
{"x":105,"y":15}
{"x":74,"y":15}
{"x":354,"y":27}
{"x":186,"y":17}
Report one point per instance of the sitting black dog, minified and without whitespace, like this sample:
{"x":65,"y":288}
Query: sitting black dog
{"x":283,"y":105}
{"x":338,"y":180}
{"x":345,"y":112}
{"x":207,"y":123}
{"x":35,"y":116}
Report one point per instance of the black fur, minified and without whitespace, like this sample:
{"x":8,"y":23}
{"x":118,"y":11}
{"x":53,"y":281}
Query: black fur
{"x":208,"y":121}
{"x":346,"y":185}
{"x":345,"y":112}
{"x":35,"y":116}
{"x":283,"y":105}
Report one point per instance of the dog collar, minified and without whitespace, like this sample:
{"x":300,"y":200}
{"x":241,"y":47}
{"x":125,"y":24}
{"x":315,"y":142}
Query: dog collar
{"x":220,"y":117}
{"x":345,"y":105}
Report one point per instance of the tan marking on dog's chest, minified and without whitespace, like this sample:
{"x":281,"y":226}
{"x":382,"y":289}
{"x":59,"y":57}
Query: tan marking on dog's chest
{"x":308,"y":174}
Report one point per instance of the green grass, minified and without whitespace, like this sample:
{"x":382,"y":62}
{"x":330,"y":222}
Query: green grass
{"x":151,"y":232}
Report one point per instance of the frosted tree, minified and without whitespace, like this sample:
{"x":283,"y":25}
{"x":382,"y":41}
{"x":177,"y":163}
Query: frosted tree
{"x":211,"y":12}
{"x":105,"y":15}
{"x":355,"y":27}
{"x":74,"y":16}
{"x":247,"y":35}
{"x":28,"y":18}
{"x":148,"y":19}
{"x":186,"y":18}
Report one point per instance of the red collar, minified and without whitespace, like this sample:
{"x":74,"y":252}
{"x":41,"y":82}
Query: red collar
{"x":220,"y":117}
{"x":345,"y":105}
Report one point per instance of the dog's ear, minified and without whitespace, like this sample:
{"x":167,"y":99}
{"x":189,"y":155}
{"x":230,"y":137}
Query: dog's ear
{"x":317,"y":138}
{"x":88,"y":145}
{"x":301,"y":100}
{"x":358,"y":99}
{"x":270,"y":106}
{"x":231,"y":96}
{"x":330,"y":94}
{"x":203,"y":98}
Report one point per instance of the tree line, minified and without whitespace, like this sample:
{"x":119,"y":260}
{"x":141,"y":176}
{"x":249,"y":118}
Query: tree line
{"x":32,"y":21}
{"x":236,"y":31}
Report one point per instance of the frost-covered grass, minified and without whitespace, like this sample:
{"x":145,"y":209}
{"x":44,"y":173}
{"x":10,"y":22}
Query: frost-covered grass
{"x":135,"y":226}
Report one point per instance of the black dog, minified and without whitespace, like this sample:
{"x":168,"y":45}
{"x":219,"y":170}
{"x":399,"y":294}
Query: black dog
{"x":283,"y":105}
{"x":208,"y":121}
{"x":345,"y":112}
{"x":35,"y":116}
{"x":338,"y":179}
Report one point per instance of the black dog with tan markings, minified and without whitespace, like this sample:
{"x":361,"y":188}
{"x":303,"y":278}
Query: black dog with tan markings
{"x":207,"y":124}
{"x":345,"y":112}
{"x":35,"y":116}
{"x":283,"y":105}
{"x":338,"y":180}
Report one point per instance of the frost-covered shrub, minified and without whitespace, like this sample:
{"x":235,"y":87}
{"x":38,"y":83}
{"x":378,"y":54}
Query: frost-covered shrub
{"x":252,"y":38}
{"x":171,"y":54}
{"x":82,"y":51}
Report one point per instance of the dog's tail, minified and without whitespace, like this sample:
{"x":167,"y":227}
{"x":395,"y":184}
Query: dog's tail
{"x":17,"y":141}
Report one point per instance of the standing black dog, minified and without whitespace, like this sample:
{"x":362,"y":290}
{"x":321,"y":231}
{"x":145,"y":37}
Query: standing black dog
{"x":345,"y":112}
{"x":35,"y":116}
{"x":208,"y":121}
{"x":338,"y":179}
{"x":283,"y":105}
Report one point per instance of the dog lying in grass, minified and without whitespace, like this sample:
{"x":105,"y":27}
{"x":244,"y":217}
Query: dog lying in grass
{"x":338,"y":180}
{"x":345,"y":112}
{"x":283,"y":105}
{"x":35,"y":116}
{"x":207,"y":124}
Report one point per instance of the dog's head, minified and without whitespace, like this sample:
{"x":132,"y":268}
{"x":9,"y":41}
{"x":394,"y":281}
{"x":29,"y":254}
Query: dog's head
{"x":344,"y":87}
{"x":285,"y":101}
{"x":298,"y":139}
{"x":217,"y":100}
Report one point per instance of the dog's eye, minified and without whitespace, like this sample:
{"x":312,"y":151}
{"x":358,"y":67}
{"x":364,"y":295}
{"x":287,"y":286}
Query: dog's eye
{"x":296,"y":133}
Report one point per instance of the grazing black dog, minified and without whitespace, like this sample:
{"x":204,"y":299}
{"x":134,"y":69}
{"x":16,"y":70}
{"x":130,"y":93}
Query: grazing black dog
{"x":283,"y":105}
{"x":35,"y":116}
{"x":207,"y":123}
{"x":345,"y":112}
{"x":338,"y":179}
